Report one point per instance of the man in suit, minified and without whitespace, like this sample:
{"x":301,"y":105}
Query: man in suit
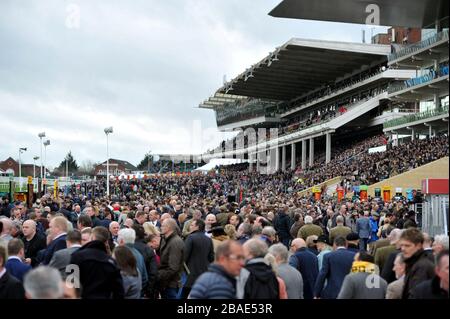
{"x":363,"y":229}
{"x":15,"y":265}
{"x":306,"y":263}
{"x":57,"y":233}
{"x":153,"y":218}
{"x":336,"y":265}
{"x":33,"y":242}
{"x":198,"y":253}
{"x":61,"y":258}
{"x":10,"y":287}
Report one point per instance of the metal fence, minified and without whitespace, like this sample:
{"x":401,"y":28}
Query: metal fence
{"x":419,"y":46}
{"x":416,"y":117}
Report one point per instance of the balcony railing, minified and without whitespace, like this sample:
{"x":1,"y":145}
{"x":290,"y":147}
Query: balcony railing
{"x":419,"y":46}
{"x":430,"y":76}
{"x":416,"y":117}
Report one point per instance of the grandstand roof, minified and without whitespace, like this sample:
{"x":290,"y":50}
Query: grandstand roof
{"x":401,"y":13}
{"x":298,"y":67}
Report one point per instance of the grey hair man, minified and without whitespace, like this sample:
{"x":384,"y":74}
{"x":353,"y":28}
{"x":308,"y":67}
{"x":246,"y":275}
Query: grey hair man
{"x":440,"y":243}
{"x":257,"y":270}
{"x":127,"y":237}
{"x":43,"y":283}
{"x":291,"y":276}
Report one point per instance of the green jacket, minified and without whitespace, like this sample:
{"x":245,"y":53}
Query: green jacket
{"x":308,"y":230}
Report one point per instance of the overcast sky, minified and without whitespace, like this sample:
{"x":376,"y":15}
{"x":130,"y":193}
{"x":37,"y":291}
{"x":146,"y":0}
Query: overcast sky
{"x":72,"y":68}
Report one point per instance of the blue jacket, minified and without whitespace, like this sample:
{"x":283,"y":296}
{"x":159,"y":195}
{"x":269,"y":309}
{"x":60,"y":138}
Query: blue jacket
{"x":363,"y":227}
{"x":373,"y":230}
{"x":57,"y":244}
{"x":307,"y":264}
{"x":17,"y":268}
{"x":216,"y":283}
{"x":336,"y":265}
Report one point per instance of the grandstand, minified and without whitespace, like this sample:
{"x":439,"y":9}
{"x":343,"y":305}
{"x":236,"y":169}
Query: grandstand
{"x":324,"y":97}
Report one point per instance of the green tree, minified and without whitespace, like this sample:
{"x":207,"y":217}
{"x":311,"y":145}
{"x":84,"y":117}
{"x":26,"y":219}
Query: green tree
{"x":68,"y":162}
{"x":146,"y":163}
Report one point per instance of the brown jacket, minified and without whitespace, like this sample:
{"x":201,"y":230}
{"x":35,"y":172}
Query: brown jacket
{"x":171,"y":262}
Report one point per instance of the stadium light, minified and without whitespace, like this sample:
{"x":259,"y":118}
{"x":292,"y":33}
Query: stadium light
{"x":22,"y":149}
{"x":34,"y":165}
{"x":107,"y":131}
{"x":46,"y":143}
{"x":41,"y":135}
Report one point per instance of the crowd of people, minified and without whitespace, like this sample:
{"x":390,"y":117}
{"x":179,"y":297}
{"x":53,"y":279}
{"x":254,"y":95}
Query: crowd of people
{"x":202,"y":236}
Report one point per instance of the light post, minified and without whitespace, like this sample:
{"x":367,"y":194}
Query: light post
{"x":41,"y":135}
{"x":46,"y":143}
{"x":108,"y":131}
{"x":34,"y":166}
{"x":22,"y":149}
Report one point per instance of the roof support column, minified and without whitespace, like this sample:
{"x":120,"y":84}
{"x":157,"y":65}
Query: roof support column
{"x":277,"y":159}
{"x":437,"y":102}
{"x":311,"y":151}
{"x":258,"y":162}
{"x":430,"y":129}
{"x":328,"y":148}
{"x":283,"y":158}
{"x":303,"y":154}
{"x":413,"y":134}
{"x":250,"y":161}
{"x":293,"y":157}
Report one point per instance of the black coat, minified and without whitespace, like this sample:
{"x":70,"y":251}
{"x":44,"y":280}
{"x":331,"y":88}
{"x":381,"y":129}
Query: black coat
{"x":418,"y":269}
{"x":11,"y":288}
{"x":198,"y":254}
{"x":387,"y":273}
{"x":100,"y":278}
{"x":282,"y":225}
{"x":429,"y":289}
{"x":33,"y":246}
{"x":150,"y":264}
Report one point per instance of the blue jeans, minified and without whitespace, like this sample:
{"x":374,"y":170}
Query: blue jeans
{"x":169,"y":293}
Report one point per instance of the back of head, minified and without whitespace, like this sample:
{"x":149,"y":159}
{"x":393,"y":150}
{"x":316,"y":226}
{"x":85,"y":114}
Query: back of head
{"x":60,"y":222}
{"x":256,"y":247}
{"x":125,"y":260}
{"x":74,"y":236}
{"x":269,"y":231}
{"x":339,"y":220}
{"x":340,"y":242}
{"x":365,"y":256}
{"x":14,"y":246}
{"x":299,"y":243}
{"x":139,"y":230}
{"x":100,"y":233}
{"x":43,"y":283}
{"x":308,"y":219}
{"x":279,"y":251}
{"x":127,"y":235}
{"x":85,"y":220}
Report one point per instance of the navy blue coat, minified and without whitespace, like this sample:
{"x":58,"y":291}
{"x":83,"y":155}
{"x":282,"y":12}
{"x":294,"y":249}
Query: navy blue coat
{"x":57,"y":244}
{"x":17,"y":268}
{"x":336,"y":265}
{"x":307,"y":264}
